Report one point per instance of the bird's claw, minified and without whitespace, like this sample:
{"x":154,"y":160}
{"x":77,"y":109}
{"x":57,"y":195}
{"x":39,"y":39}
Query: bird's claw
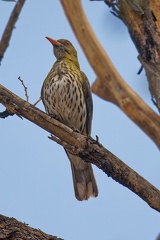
{"x":75,"y":130}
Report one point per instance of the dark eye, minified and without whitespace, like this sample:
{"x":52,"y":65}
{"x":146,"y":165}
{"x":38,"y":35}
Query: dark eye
{"x":68,"y":43}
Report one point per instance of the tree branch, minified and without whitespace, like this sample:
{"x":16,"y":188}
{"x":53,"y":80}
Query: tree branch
{"x":88,"y":149}
{"x":129,"y":102}
{"x":143,"y":23}
{"x":10,"y":228}
{"x":9,"y":28}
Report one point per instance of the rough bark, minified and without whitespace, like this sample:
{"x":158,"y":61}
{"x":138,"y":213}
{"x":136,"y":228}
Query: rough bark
{"x":11,"y":229}
{"x":88,"y":149}
{"x":143,"y":23}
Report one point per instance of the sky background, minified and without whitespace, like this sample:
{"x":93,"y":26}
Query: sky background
{"x":35,"y":176}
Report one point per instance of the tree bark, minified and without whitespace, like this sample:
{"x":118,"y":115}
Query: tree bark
{"x":143,"y":23}
{"x":11,"y":229}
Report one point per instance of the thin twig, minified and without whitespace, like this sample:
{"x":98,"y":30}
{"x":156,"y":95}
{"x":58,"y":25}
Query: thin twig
{"x":25,"y":88}
{"x":9,"y":27}
{"x":37,"y":101}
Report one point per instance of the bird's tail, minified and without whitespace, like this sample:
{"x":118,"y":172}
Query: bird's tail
{"x":84,"y":182}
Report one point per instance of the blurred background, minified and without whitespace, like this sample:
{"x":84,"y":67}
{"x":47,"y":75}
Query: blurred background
{"x":35,"y":175}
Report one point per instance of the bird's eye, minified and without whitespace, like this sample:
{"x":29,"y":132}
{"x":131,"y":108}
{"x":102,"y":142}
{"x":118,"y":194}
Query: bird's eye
{"x":68,"y":43}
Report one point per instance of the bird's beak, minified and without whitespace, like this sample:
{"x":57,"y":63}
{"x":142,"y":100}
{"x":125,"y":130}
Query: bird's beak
{"x":53,"y":42}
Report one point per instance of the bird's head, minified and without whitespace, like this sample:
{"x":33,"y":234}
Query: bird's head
{"x":63,"y":49}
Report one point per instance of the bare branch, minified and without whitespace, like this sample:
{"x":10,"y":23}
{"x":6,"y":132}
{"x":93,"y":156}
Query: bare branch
{"x":37,"y":101}
{"x":87,"y":148}
{"x":9,"y":28}
{"x":25,"y":88}
{"x":129,"y":102}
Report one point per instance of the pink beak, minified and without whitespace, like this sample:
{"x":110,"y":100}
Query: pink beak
{"x":53,"y":42}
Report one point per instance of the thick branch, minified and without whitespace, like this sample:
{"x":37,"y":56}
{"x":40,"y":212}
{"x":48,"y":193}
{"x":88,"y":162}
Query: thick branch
{"x":10,"y":228}
{"x":122,"y":94}
{"x":9,"y":28}
{"x":87,"y":148}
{"x":100,"y":89}
{"x":143,"y":22}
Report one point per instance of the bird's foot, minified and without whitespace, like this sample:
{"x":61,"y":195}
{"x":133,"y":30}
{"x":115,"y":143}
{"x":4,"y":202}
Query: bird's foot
{"x":75,"y":130}
{"x":53,"y":116}
{"x":94,"y":141}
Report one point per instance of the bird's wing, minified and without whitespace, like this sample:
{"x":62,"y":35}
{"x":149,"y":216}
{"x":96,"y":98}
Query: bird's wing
{"x":88,"y":101}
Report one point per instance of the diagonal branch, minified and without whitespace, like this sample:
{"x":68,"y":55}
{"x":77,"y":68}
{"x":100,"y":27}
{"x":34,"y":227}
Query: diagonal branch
{"x":129,"y":102}
{"x":87,"y":148}
{"x":9,"y":28}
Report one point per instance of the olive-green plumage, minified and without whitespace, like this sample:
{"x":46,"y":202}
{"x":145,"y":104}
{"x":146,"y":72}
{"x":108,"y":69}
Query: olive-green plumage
{"x":66,"y":96}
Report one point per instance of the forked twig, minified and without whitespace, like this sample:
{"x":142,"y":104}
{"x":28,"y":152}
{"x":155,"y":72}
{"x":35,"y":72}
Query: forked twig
{"x":25,"y":88}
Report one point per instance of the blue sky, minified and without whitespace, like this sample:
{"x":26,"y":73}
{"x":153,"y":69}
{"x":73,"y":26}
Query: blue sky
{"x":35,"y":176}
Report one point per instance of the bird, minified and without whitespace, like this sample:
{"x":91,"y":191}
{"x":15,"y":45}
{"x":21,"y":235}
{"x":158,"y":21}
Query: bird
{"x":66,"y":96}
